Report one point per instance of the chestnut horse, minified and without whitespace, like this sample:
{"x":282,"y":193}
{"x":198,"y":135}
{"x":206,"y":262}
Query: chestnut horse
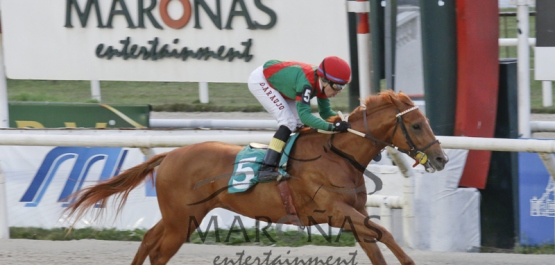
{"x":327,"y":189}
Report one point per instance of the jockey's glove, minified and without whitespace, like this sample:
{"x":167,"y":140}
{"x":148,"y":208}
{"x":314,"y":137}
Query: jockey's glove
{"x":341,"y":126}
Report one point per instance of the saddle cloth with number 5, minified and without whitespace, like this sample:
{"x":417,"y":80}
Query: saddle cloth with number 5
{"x":247,"y":163}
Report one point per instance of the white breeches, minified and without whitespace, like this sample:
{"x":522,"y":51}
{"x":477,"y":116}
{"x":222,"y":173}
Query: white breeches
{"x":284,"y":111}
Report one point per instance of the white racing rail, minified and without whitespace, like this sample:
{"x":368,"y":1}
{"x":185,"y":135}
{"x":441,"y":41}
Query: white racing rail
{"x":535,"y":126}
{"x":213,"y":124}
{"x":176,"y":138}
{"x":146,"y":139}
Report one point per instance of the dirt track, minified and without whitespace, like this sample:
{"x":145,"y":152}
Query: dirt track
{"x":84,"y":252}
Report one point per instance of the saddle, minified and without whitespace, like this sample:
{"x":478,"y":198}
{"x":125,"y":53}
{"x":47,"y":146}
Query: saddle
{"x":251,"y":157}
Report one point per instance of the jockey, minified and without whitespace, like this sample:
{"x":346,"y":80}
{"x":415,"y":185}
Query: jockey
{"x":284,"y":88}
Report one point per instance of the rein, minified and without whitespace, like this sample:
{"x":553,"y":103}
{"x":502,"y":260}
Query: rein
{"x":417,"y":153}
{"x":377,"y":181}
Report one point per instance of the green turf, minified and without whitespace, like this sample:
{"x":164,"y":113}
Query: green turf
{"x":236,"y":236}
{"x":163,"y":96}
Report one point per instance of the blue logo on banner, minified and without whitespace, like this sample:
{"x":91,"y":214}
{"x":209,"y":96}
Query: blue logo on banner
{"x":85,"y":158}
{"x":537,"y":201}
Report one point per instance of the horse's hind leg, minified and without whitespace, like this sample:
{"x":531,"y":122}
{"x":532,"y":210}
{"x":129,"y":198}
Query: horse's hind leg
{"x":150,"y":240}
{"x":176,"y":230}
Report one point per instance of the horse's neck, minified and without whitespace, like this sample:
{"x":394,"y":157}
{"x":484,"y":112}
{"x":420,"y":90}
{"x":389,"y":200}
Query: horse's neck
{"x":360,"y":148}
{"x":363,"y":149}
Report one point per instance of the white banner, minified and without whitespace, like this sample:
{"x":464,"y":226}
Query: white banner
{"x":38,"y":178}
{"x":164,"y":40}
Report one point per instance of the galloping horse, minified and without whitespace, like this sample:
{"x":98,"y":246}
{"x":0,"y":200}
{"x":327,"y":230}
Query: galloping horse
{"x":326,"y":189}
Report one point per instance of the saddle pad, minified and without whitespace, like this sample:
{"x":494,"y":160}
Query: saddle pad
{"x":247,"y":163}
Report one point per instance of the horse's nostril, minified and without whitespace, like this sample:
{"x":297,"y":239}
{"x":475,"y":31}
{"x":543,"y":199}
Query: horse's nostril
{"x":442,"y":160}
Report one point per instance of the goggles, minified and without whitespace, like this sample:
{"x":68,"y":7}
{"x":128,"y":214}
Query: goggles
{"x":334,"y":86}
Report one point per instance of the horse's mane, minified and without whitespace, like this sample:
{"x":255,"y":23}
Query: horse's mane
{"x":371,"y":104}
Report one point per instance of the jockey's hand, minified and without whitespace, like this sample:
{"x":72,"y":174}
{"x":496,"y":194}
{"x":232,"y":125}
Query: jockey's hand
{"x":341,"y":126}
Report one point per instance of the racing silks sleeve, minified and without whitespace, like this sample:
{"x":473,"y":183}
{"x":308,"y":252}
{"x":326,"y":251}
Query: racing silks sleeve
{"x":324,"y":108}
{"x":305,"y":115}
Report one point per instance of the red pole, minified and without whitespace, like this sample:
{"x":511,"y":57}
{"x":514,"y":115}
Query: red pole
{"x":477,"y":81}
{"x":364,"y":52}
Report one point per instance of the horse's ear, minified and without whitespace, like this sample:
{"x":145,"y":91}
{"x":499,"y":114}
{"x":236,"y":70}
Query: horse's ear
{"x":391,"y":99}
{"x":405,"y":98}
{"x":395,"y":101}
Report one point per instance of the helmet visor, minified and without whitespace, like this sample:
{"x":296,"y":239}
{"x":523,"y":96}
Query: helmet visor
{"x":334,"y":86}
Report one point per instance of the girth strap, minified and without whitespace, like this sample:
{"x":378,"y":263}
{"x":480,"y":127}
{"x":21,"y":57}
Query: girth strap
{"x":378,"y":182}
{"x":287,"y":200}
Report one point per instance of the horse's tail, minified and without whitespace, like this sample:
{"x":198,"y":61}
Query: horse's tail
{"x":121,"y":184}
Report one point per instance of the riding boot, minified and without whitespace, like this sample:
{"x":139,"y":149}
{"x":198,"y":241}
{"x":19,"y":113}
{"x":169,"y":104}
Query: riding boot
{"x":268,"y":171}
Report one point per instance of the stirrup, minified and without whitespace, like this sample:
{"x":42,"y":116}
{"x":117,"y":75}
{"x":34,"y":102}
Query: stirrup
{"x":268,"y":173}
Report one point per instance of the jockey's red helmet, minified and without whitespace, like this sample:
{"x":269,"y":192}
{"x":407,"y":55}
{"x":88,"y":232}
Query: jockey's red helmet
{"x":335,"y":70}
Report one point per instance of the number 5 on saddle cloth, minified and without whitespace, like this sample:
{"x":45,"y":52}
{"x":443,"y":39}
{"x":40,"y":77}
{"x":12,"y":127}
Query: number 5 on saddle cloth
{"x":249,"y":160}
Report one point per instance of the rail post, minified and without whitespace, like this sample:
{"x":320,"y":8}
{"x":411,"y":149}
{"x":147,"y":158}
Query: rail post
{"x":523,"y":56}
{"x":408,"y":196}
{"x":364,"y":51}
{"x":4,"y":228}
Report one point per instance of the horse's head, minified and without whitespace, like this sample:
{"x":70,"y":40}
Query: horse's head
{"x":405,"y":127}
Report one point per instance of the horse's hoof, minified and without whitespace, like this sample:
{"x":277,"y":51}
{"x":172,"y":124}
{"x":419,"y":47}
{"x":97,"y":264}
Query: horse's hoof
{"x":409,"y":261}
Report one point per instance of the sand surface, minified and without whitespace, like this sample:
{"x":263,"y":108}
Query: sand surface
{"x":83,"y":252}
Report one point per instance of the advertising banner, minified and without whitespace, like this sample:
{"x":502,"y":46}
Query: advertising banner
{"x":537,"y":201}
{"x":164,"y":40}
{"x":39,"y":180}
{"x":77,"y":115}
{"x":37,"y":195}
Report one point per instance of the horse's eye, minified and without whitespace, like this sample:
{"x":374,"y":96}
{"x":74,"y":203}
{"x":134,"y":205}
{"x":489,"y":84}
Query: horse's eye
{"x":416,"y":126}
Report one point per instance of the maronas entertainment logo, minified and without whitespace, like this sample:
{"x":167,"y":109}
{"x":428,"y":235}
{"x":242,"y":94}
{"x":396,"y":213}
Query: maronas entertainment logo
{"x":146,"y":8}
{"x":155,"y":49}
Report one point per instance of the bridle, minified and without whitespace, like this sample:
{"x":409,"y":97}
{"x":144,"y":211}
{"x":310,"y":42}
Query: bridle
{"x":417,"y":153}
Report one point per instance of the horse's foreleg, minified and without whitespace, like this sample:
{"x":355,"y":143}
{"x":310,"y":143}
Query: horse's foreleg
{"x":373,"y":252}
{"x":150,"y":240}
{"x":371,"y":248}
{"x":389,"y":241}
{"x":367,"y":232}
{"x":385,"y":237}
